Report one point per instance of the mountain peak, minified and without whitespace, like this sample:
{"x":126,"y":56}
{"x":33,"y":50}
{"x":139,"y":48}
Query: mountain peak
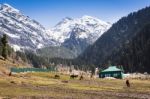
{"x":8,"y":8}
{"x":67,"y":18}
{"x":93,"y":19}
{"x":87,"y":17}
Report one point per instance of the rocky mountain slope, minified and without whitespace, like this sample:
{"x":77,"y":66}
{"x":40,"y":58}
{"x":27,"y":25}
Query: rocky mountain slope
{"x":23,"y":32}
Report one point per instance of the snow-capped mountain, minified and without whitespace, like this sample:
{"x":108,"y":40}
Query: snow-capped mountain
{"x":77,"y":34}
{"x":23,"y":32}
{"x":92,"y":28}
{"x":71,"y":34}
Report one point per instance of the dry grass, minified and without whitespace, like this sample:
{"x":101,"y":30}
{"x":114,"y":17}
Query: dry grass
{"x":43,"y":85}
{"x":7,"y":64}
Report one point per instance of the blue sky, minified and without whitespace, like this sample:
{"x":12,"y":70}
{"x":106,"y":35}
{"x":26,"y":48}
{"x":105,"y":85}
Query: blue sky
{"x":50,"y":12}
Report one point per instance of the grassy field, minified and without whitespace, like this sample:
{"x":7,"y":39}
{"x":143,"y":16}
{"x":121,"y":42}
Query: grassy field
{"x":45,"y":86}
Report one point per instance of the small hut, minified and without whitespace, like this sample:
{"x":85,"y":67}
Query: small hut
{"x":111,"y":71}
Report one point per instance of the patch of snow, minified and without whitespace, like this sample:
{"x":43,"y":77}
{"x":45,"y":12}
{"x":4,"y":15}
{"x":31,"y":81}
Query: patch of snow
{"x":16,"y":47}
{"x":13,"y":36}
{"x":39,"y":45}
{"x":83,"y":35}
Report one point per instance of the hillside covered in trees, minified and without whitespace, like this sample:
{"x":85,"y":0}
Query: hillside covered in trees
{"x":135,"y":55}
{"x":114,"y":40}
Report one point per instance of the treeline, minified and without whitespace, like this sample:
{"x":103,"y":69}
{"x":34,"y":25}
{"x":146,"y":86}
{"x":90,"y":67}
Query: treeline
{"x":5,"y":50}
{"x":39,"y":61}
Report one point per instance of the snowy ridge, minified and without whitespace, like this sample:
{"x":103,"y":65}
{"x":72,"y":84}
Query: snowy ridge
{"x":23,"y":32}
{"x":92,"y":26}
{"x":8,"y":8}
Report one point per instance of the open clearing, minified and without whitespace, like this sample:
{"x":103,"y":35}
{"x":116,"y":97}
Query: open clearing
{"x":45,"y":86}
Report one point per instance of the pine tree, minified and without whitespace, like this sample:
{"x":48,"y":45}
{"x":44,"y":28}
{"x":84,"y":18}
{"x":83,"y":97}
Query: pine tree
{"x":4,"y":46}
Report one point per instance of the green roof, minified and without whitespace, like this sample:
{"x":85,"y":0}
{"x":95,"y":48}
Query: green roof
{"x":111,"y":68}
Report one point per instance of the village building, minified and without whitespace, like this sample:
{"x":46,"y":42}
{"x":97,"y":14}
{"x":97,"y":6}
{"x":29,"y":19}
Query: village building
{"x":111,"y":71}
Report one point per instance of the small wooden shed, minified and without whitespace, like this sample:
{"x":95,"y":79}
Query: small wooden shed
{"x":111,"y":71}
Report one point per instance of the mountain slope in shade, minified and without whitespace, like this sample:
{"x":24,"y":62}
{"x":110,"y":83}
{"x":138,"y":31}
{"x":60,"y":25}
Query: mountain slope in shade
{"x":56,"y":52}
{"x":135,"y":54}
{"x":23,"y":32}
{"x":114,"y":39}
